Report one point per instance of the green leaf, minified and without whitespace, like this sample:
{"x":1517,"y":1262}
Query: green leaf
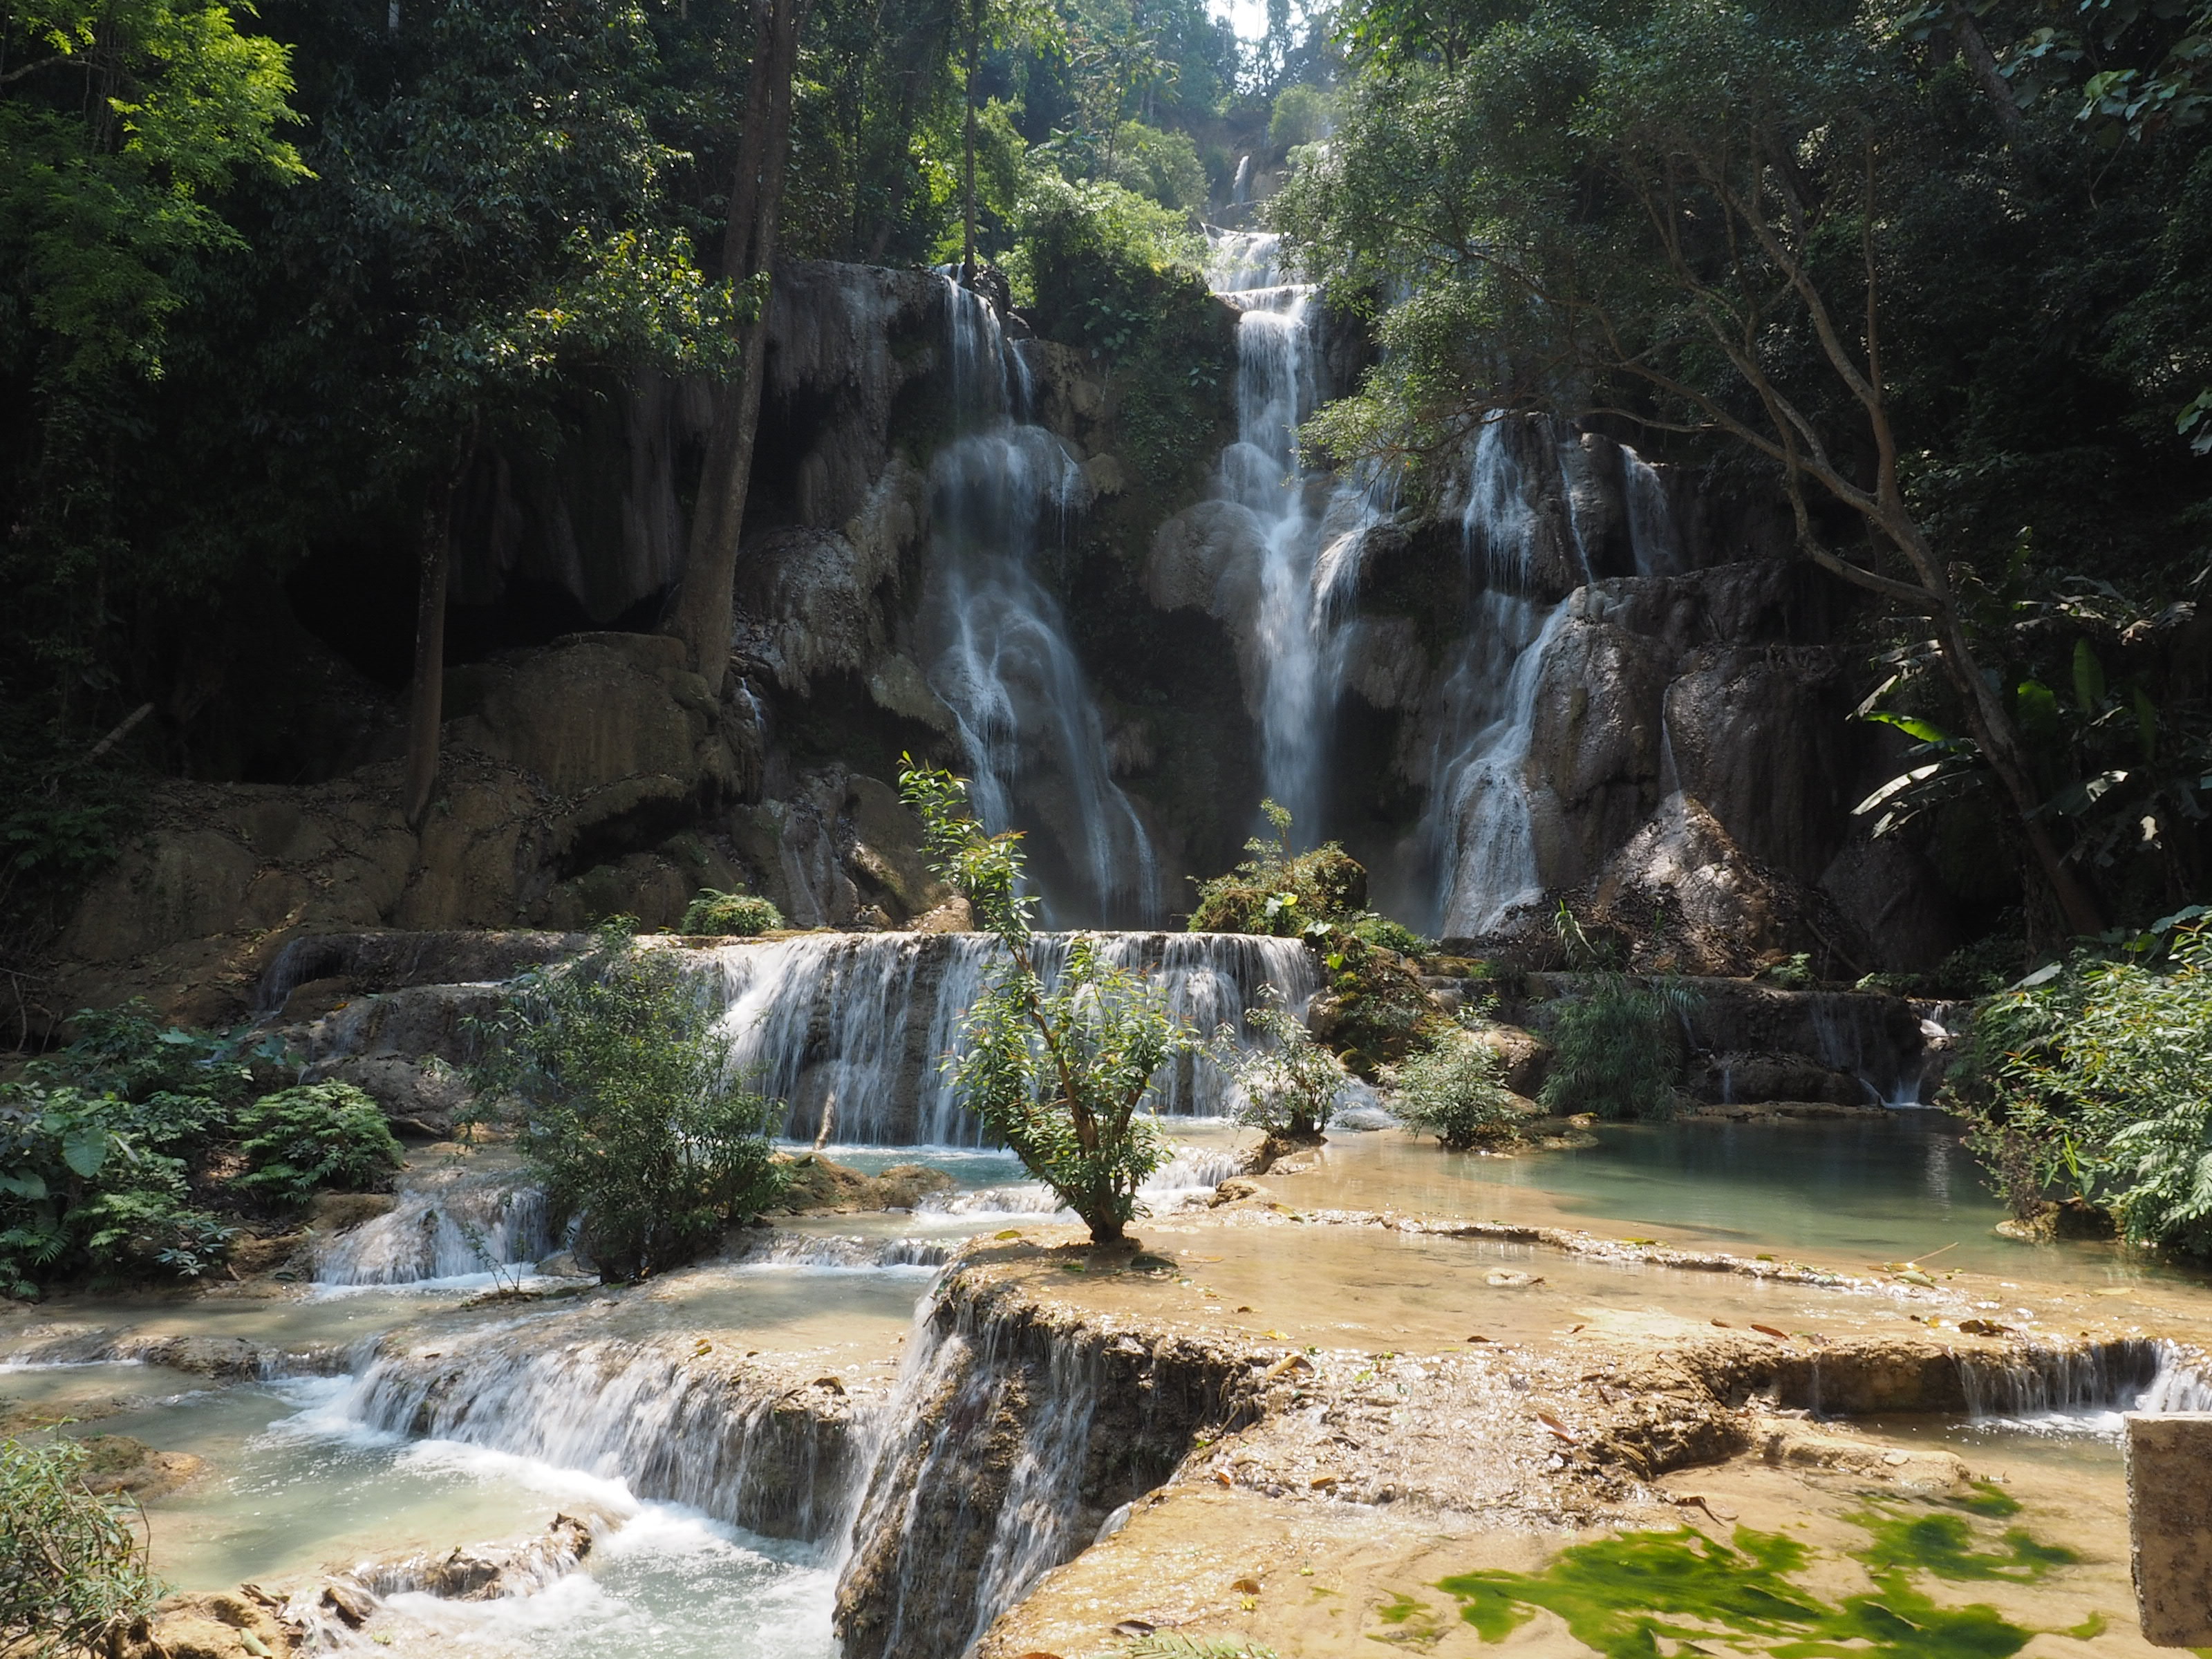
{"x":2037,"y":706}
{"x":24,"y":1183}
{"x":2146,"y":725}
{"x":1910,"y":727}
{"x":1897,"y":785}
{"x":2088,"y":678}
{"x":85,"y":1149}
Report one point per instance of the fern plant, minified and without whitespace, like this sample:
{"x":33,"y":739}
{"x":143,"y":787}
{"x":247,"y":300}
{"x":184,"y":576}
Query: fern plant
{"x":1618,"y":1050}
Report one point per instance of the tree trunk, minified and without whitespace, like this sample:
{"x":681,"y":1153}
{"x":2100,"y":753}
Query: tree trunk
{"x":968,"y":241}
{"x":426,"y":698}
{"x":701,"y":614}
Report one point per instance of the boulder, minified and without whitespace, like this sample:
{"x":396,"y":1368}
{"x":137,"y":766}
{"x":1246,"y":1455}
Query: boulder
{"x":1524,"y":1059}
{"x":423,"y":1097}
{"x":1893,"y":901}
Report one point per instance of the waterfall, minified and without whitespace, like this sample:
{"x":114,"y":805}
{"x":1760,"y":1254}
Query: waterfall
{"x":1308,"y":566}
{"x":857,"y":1024}
{"x":622,"y":1411}
{"x":925,"y":1504}
{"x":447,"y":1224}
{"x":2084,"y":1388}
{"x":1479,"y":835}
{"x":1000,"y":654}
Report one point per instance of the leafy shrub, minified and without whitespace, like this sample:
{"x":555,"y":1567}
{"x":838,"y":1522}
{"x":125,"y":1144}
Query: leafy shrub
{"x":1302,"y":115}
{"x":99,"y":1145}
{"x":1110,"y":272}
{"x":73,"y":1571}
{"x":736,"y":914}
{"x":1378,"y":929}
{"x":615,"y":1073}
{"x":1451,"y":1087}
{"x":300,"y":1141}
{"x":2094,"y":1082}
{"x":1618,"y":1050}
{"x":1276,"y":892}
{"x":1373,"y":1007}
{"x":1061,"y":1072}
{"x":1290,"y":1086}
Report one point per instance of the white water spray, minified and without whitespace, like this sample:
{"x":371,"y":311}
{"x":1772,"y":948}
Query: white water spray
{"x":1000,"y":654}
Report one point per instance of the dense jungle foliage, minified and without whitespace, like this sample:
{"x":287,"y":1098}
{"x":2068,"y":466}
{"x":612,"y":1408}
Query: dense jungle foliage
{"x":141,"y":1150}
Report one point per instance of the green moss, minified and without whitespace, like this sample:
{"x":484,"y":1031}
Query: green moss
{"x":1622,"y":1597}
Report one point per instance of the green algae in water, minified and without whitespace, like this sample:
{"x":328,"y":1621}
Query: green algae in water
{"x":1621,"y":1596}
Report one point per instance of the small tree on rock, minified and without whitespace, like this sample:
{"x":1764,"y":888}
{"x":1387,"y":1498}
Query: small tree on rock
{"x":1289,"y":1087}
{"x":1060,"y":1071}
{"x":626,"y":1105}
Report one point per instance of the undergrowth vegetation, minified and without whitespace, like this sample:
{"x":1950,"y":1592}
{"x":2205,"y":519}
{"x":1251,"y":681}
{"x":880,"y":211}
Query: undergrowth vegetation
{"x":73,"y":1570}
{"x":1290,"y":1084}
{"x":613,"y":1072}
{"x":1618,"y":1050}
{"x":141,"y":1148}
{"x":2092,"y":1085}
{"x":741,"y":915}
{"x":1451,"y":1087}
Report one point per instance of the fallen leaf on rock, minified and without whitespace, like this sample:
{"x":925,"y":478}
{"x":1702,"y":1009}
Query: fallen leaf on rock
{"x":1039,"y":1653}
{"x":1007,"y":1232}
{"x":1723,"y":1324}
{"x":1277,"y":1336}
{"x":1135,"y":1627}
{"x":1984,"y":1327}
{"x":1769,"y":1330}
{"x":1222,"y":1477}
{"x":1557,"y":1427}
{"x":1246,"y":1586}
{"x":1322,"y":1481}
{"x":1571,"y":1329}
{"x":1896,"y":1459}
{"x":1283,"y":1367}
{"x":1505,"y":1279}
{"x":1478,"y":1339}
{"x":1240,"y":1308}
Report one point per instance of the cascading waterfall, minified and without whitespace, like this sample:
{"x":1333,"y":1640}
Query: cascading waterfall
{"x":854,"y":1025}
{"x":1479,"y":835}
{"x":1000,"y":657}
{"x":2085,"y":1387}
{"x":621,"y":1411}
{"x":920,"y":1512}
{"x":446,"y":1224}
{"x":1308,"y":566}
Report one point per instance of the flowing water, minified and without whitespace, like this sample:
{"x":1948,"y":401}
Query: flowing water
{"x":1478,"y":836}
{"x":853,"y":1027}
{"x":1000,"y":655}
{"x":1308,"y":560}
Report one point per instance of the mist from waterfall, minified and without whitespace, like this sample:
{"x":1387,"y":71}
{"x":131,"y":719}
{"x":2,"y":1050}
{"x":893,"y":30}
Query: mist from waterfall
{"x":1308,"y":565}
{"x":1478,"y":830}
{"x":998,"y":653}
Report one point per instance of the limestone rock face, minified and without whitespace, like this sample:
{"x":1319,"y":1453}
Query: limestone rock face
{"x":1891,"y":897}
{"x":1524,"y":1057}
{"x":557,"y":764}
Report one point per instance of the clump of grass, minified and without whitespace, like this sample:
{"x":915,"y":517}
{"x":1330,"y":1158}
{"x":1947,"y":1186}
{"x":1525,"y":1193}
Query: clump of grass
{"x":741,"y":915}
{"x":1618,"y":1050}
